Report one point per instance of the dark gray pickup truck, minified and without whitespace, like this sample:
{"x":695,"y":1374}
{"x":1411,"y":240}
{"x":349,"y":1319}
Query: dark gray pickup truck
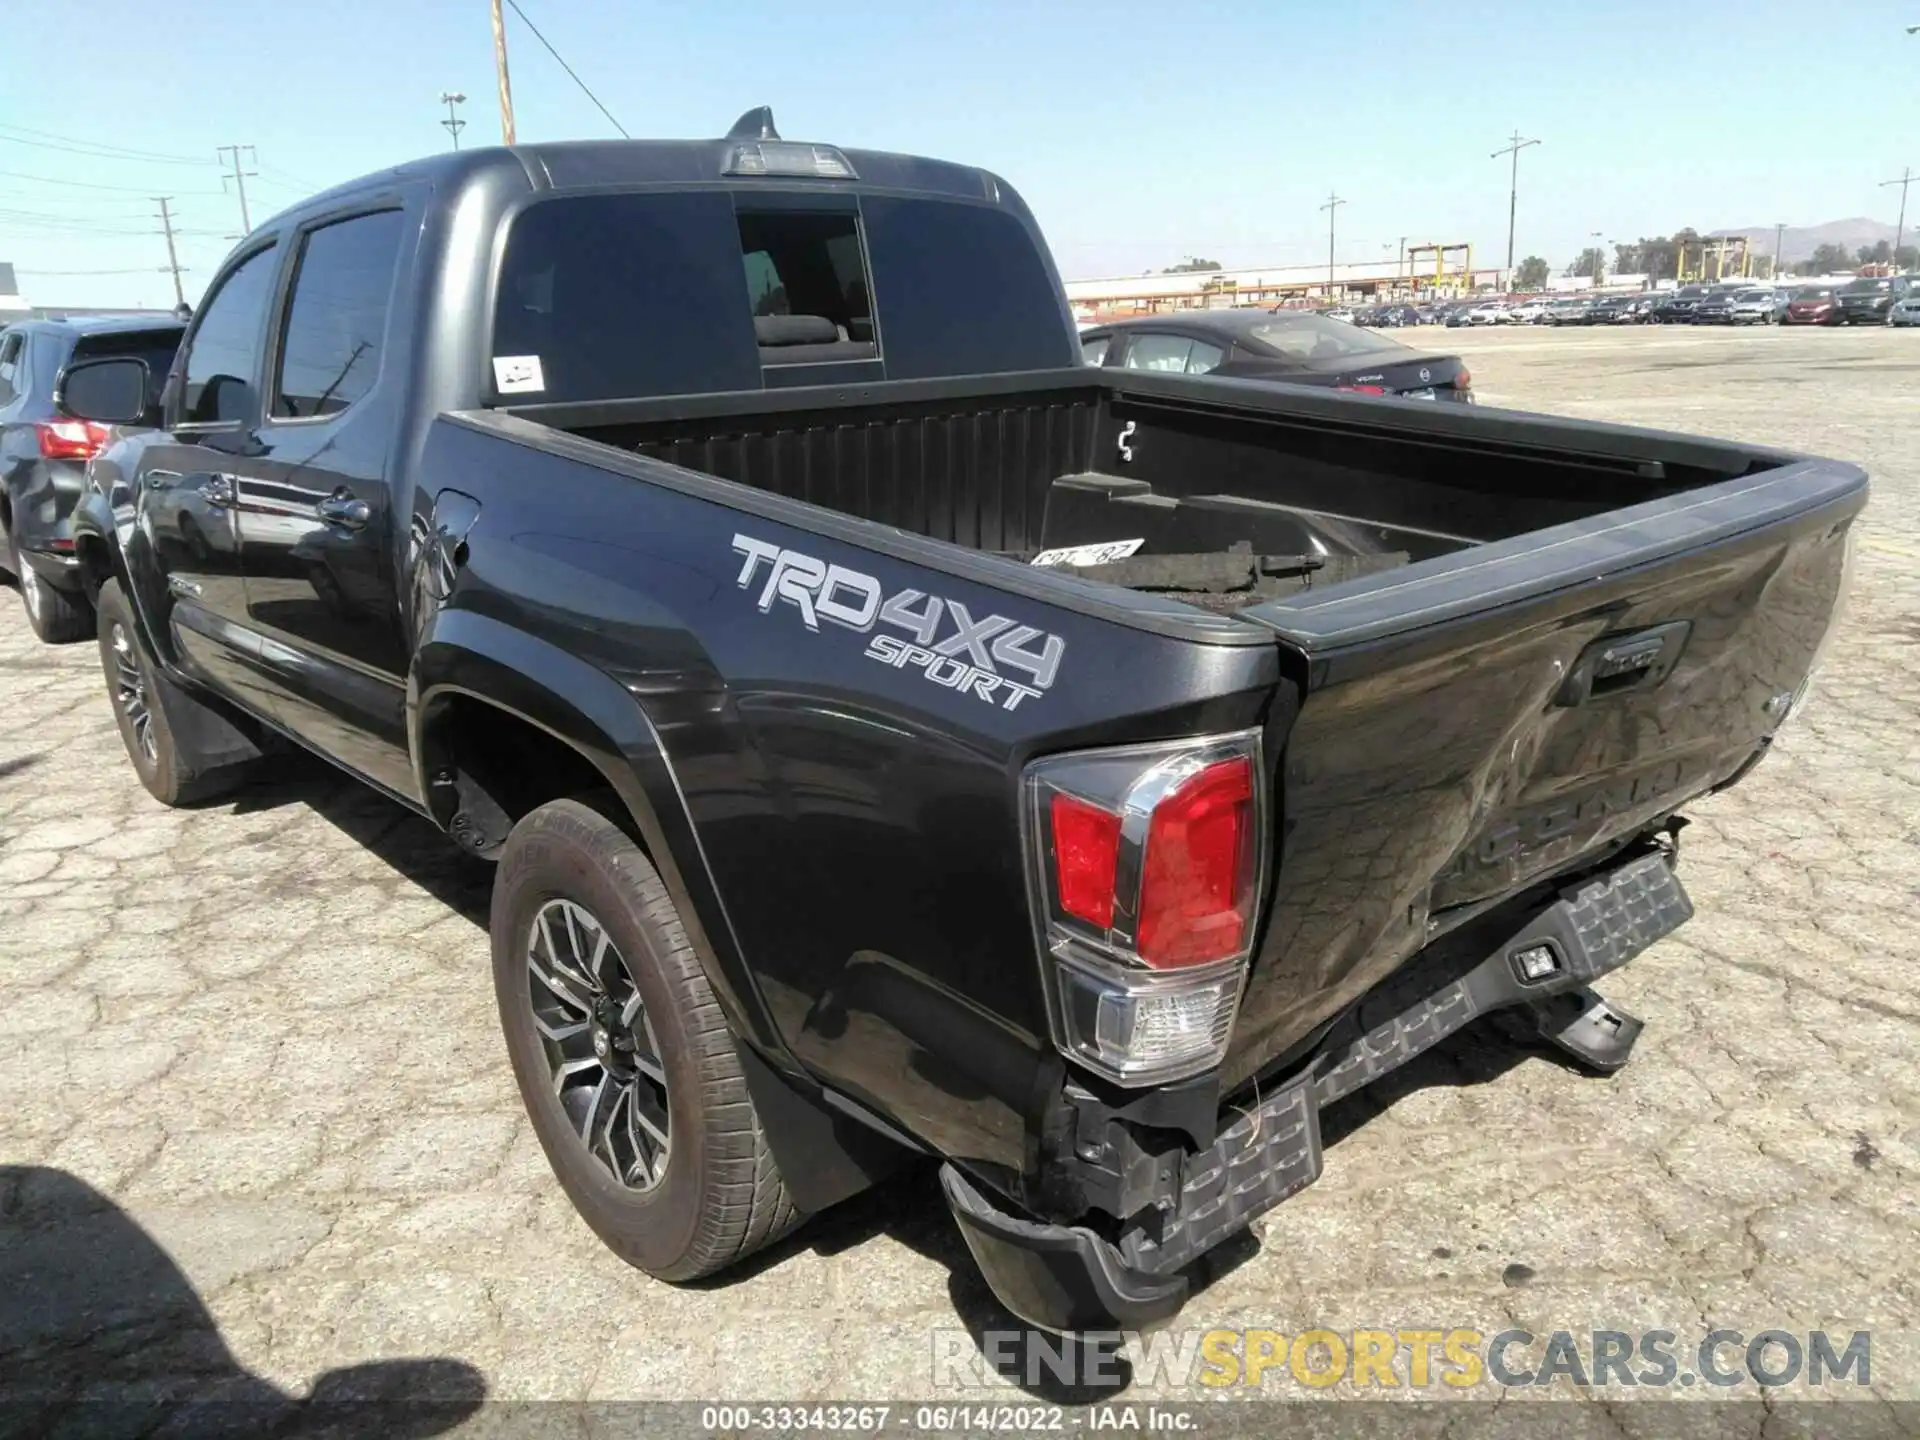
{"x":894,"y":737}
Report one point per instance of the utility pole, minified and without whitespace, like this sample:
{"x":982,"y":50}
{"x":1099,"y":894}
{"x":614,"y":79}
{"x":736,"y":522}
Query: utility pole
{"x":1907,"y":177}
{"x":1599,"y":252}
{"x":1779,"y":229}
{"x":1514,"y":146}
{"x":453,"y":123}
{"x":173,"y":258}
{"x":1334,"y":202}
{"x":500,"y":68}
{"x":240,"y":178}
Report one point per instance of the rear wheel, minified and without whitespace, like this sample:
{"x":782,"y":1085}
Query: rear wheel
{"x":57,"y":616}
{"x":624,"y":1061}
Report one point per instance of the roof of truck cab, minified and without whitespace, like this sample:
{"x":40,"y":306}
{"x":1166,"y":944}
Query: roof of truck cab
{"x":594,"y":164}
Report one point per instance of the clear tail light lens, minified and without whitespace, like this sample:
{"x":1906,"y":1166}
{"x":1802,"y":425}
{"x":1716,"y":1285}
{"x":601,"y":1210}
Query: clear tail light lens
{"x":1146,"y":865}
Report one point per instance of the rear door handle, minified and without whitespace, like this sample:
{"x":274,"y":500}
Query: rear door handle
{"x":344,"y":509}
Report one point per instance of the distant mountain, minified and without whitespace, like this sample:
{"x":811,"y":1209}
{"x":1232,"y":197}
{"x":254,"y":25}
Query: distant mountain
{"x":1798,"y":242}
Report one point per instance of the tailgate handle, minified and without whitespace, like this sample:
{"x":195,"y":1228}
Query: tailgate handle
{"x":1616,"y":664}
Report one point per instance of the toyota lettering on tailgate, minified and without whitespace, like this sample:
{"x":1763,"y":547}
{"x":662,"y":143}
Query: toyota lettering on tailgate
{"x":942,"y":639}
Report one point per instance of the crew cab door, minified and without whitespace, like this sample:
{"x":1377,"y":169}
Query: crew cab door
{"x":186,"y":488}
{"x":315,"y":520}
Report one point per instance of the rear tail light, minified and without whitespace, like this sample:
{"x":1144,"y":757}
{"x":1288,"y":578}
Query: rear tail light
{"x":1363,"y":389}
{"x":1147,"y":863}
{"x":71,"y":439}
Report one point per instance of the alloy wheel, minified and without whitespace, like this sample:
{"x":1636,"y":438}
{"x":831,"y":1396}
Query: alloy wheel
{"x":599,"y":1041}
{"x":130,"y":692}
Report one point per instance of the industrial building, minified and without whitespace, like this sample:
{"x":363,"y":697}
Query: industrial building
{"x":1427,"y":271}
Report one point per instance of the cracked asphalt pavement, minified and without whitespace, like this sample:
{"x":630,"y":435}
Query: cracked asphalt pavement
{"x":263,"y":1034}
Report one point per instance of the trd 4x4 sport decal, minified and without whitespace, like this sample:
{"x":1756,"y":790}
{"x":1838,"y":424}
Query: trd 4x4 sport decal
{"x":967,"y":658}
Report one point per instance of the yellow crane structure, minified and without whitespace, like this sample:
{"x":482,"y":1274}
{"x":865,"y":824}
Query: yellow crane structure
{"x":1722,"y":257}
{"x":1442,"y":276}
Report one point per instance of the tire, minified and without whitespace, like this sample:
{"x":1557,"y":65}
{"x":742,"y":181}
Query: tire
{"x":57,"y":616}
{"x":709,"y":1195}
{"x":172,"y":774}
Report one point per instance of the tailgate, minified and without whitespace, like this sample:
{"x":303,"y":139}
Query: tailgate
{"x":1479,"y":721}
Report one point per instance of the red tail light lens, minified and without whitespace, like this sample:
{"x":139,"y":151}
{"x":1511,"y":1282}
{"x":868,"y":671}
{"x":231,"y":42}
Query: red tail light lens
{"x":1146,"y":864}
{"x":1086,"y":852}
{"x":71,"y":439}
{"x":1364,"y":389}
{"x":1196,"y":887}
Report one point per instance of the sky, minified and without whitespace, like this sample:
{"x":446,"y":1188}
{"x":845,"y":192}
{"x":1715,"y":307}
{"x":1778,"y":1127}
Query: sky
{"x":1138,"y":133}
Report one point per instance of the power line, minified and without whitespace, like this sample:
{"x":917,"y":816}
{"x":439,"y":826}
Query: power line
{"x":87,"y":184}
{"x":75,"y":146}
{"x":138,"y":270}
{"x":569,"y":69}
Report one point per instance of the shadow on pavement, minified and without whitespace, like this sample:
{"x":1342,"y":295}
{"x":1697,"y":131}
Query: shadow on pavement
{"x":101,"y":1334}
{"x":17,"y":764}
{"x":408,"y":843}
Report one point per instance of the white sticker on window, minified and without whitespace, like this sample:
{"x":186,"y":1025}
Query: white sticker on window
{"x":1089,"y":554}
{"x":517,"y":374}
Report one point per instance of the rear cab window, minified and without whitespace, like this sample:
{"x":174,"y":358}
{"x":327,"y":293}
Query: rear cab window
{"x":607,"y":296}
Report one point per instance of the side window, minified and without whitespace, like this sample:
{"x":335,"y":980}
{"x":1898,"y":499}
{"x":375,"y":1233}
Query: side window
{"x":337,"y":316}
{"x":1204,"y":357}
{"x":1164,"y":353}
{"x":12,"y":347}
{"x":1094,"y":352}
{"x":226,"y":347}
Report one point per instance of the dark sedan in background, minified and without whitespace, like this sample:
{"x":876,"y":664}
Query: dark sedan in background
{"x":1714,"y":308}
{"x":1292,"y":346}
{"x":44,"y":454}
{"x":1869,"y":300}
{"x":1677,"y":308}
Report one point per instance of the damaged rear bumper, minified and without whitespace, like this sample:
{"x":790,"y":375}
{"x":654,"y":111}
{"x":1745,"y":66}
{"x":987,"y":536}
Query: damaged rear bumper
{"x":1176,"y":1204}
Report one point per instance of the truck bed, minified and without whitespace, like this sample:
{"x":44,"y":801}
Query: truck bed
{"x":1238,"y":492}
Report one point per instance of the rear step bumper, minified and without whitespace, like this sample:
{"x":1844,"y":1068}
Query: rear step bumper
{"x":1068,"y":1278}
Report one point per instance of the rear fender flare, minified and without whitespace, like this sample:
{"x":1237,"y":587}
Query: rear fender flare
{"x":474,"y":656}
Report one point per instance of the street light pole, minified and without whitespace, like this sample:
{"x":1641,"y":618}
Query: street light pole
{"x":1332,"y":205}
{"x":1779,"y":229}
{"x":1907,"y":177}
{"x":1599,"y":258}
{"x":500,"y":73}
{"x":453,"y":123}
{"x":1518,"y":143}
